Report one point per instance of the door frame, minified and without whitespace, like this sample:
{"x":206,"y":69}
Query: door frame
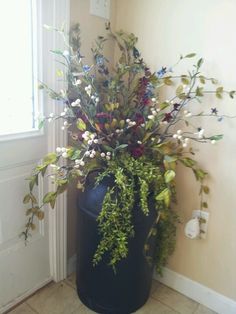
{"x":58,"y":216}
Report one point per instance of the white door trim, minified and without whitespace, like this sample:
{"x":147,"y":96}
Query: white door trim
{"x":58,"y":216}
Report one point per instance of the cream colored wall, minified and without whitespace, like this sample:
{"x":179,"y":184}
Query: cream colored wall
{"x":91,"y":27}
{"x":165,"y":29}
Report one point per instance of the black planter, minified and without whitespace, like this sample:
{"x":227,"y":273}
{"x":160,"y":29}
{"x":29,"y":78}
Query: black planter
{"x":99,"y":288}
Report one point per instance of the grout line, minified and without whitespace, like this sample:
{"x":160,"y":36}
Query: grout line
{"x":169,"y":307}
{"x":32,"y":308}
{"x":69,"y":284}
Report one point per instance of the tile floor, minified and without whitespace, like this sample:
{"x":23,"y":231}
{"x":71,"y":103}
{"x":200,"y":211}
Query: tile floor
{"x":61,"y":298}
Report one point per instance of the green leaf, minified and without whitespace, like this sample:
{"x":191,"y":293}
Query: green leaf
{"x":81,"y":125}
{"x":185,"y":79}
{"x":41,"y":124}
{"x":50,"y":158}
{"x":188,"y":162}
{"x":33,"y":181}
{"x":202,"y":79}
{"x":205,"y":189}
{"x":204,"y":204}
{"x":27,"y":199}
{"x":179,"y":90}
{"x":199,"y":174}
{"x":164,"y":105}
{"x":214,"y":81}
{"x":167,"y":81}
{"x":199,"y":91}
{"x":122,"y":146}
{"x":190,"y":55}
{"x":164,"y":196}
{"x":200,"y":63}
{"x":216,"y":137}
{"x":40,"y":215}
{"x":169,"y":176}
{"x":219,"y":92}
{"x":50,"y":197}
{"x":57,"y":52}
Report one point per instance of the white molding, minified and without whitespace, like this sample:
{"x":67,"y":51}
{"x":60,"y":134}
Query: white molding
{"x":21,"y":298}
{"x":58,"y":216}
{"x":197,"y":292}
{"x":71,"y":265}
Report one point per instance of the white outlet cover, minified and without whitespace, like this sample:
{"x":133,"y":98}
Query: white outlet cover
{"x":204,"y":225}
{"x":100,"y":8}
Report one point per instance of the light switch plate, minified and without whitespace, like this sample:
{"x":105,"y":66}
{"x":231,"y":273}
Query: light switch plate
{"x":100,"y":8}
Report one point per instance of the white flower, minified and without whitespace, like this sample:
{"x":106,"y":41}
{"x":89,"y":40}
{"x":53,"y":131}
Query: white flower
{"x":103,"y":155}
{"x":139,"y":142}
{"x":87,"y":153}
{"x":51,"y":115}
{"x":92,"y":136}
{"x":185,"y":145}
{"x":143,"y":125}
{"x":108,"y":157}
{"x":179,"y":137}
{"x":175,"y":136}
{"x":63,"y":128}
{"x":200,"y":133}
{"x":128,"y":120}
{"x":93,"y":97}
{"x":153,"y":99}
{"x":66,"y":53}
{"x":49,"y":119}
{"x":133,"y":123}
{"x":91,"y":155}
{"x":63,"y":149}
{"x":77,"y":82}
{"x":58,"y":150}
{"x":82,"y":163}
{"x":63,"y":114}
{"x":179,"y":132}
{"x":65,"y":123}
{"x":95,"y":141}
{"x":186,"y":140}
{"x":117,"y":131}
{"x":151,"y":117}
{"x":90,"y":142}
{"x":97,"y":99}
{"x":213,"y":142}
{"x":108,"y":153}
{"x":65,"y":155}
{"x":63,"y":93}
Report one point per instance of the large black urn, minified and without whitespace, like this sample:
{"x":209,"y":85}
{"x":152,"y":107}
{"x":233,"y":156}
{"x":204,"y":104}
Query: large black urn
{"x":99,"y":288}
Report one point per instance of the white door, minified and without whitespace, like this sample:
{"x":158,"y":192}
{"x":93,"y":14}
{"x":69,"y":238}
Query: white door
{"x":24,"y":58}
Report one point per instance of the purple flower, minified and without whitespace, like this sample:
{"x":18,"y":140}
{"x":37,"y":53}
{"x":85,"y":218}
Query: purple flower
{"x":214,"y":111}
{"x":137,"y":151}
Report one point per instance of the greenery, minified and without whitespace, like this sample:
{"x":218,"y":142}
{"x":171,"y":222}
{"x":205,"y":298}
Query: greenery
{"x":119,"y":124}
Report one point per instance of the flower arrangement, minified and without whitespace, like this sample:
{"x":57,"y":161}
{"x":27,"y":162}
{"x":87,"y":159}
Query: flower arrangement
{"x":119,"y":124}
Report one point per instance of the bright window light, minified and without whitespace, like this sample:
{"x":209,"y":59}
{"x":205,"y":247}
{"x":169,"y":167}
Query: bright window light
{"x":17,"y":78}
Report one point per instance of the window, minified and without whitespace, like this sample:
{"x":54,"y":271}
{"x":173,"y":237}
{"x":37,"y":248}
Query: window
{"x":18,"y":66}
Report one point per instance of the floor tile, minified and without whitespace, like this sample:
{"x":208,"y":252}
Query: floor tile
{"x":203,"y":310}
{"x":22,"y":309}
{"x":71,"y":280}
{"x":155,"y":285}
{"x":84,"y":310}
{"x":155,"y":307}
{"x":55,"y":299}
{"x":175,"y":300}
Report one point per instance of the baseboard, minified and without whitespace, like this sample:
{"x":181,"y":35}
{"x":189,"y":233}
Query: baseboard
{"x":197,"y":292}
{"x":71,"y":265}
{"x":24,"y":296}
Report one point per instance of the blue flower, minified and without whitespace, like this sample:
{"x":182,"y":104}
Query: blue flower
{"x":86,"y":68}
{"x":100,"y":60}
{"x":161,"y":72}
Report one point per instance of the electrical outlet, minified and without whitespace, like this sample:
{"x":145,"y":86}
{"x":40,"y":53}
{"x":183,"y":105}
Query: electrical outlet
{"x":100,"y":8}
{"x":203,"y":217}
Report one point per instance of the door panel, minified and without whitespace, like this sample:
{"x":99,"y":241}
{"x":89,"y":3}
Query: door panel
{"x":23,"y":268}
